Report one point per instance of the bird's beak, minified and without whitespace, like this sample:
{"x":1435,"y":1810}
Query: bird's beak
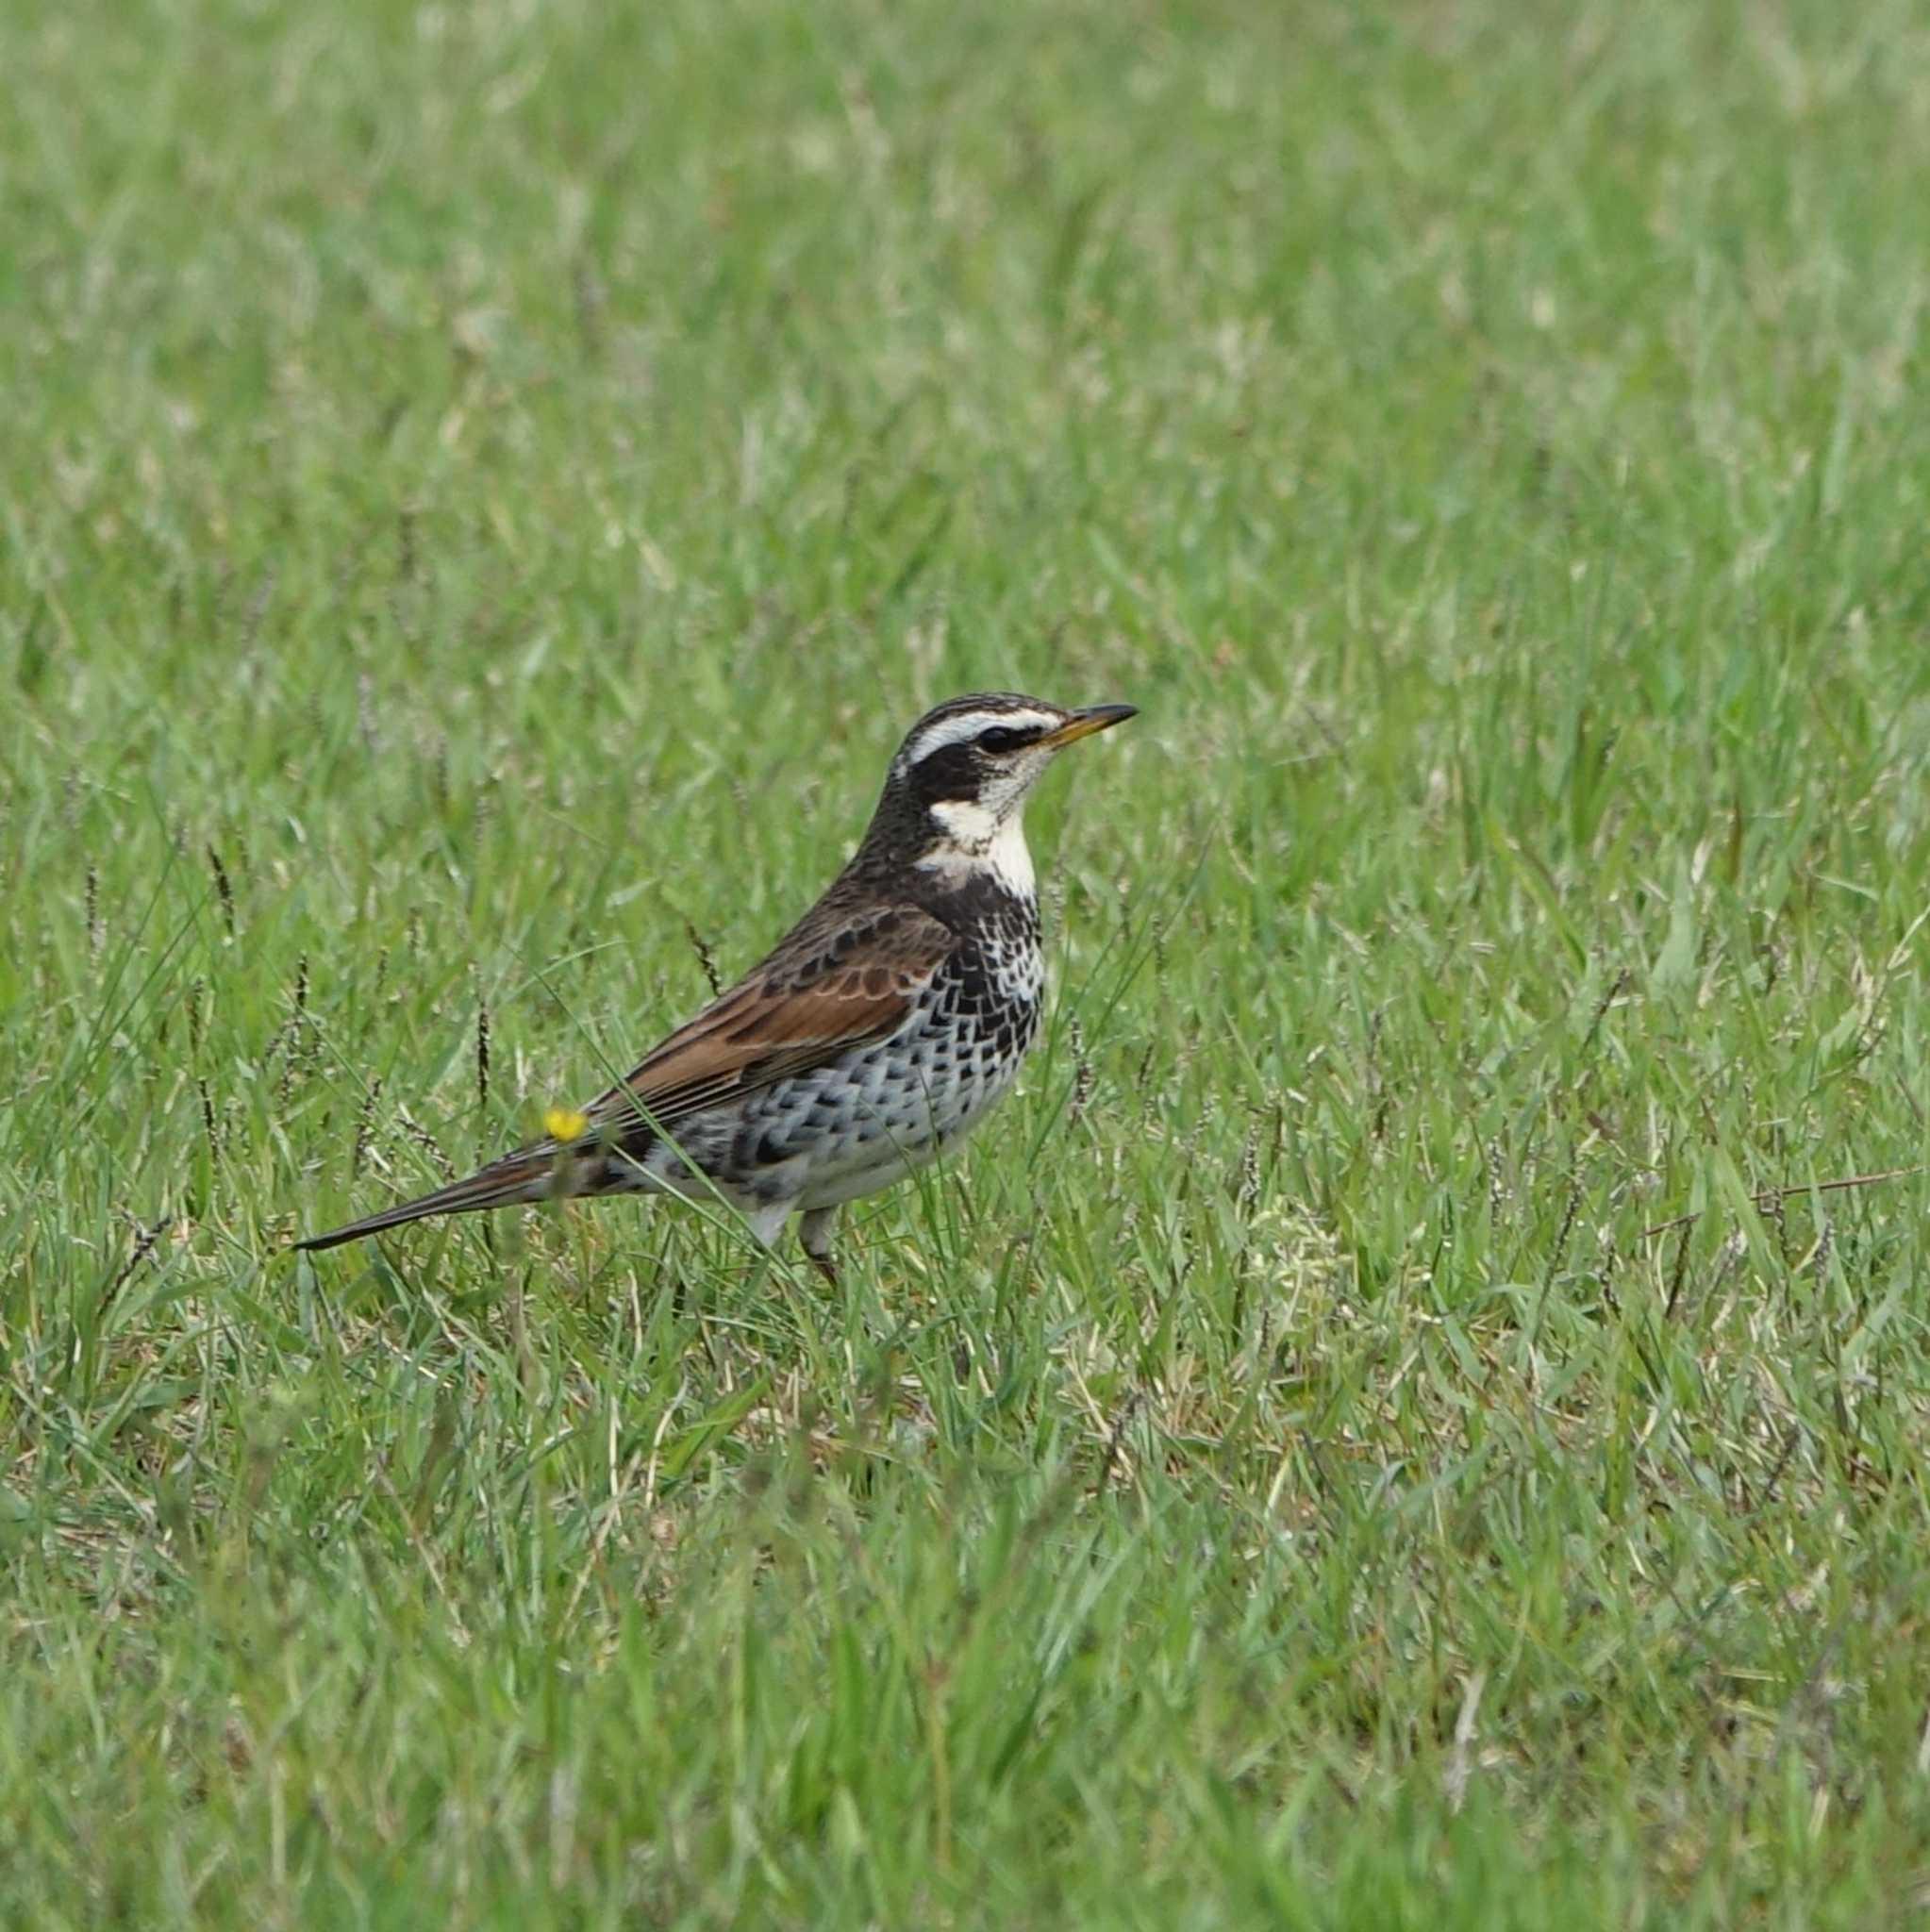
{"x":1084,"y":723}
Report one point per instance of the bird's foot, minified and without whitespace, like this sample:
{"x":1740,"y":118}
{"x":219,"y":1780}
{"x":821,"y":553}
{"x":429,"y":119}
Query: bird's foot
{"x":814,"y":1232}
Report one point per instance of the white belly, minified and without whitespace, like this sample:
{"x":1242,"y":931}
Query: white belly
{"x":907,"y":1139}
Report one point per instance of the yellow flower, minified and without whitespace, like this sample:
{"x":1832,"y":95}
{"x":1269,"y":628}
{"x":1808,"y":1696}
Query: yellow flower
{"x":565,"y":1124}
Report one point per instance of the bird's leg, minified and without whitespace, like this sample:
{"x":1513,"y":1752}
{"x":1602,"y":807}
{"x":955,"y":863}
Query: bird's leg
{"x":766,"y":1223}
{"x":814,"y":1231}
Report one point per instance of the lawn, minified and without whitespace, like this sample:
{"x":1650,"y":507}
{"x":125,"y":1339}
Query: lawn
{"x":1416,"y":1415}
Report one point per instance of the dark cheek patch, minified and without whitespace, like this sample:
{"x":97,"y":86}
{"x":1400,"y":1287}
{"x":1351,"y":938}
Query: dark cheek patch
{"x":951,"y":771}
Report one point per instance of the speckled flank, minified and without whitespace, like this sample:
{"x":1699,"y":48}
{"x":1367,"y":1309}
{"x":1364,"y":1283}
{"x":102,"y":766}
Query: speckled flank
{"x":871,"y":1116}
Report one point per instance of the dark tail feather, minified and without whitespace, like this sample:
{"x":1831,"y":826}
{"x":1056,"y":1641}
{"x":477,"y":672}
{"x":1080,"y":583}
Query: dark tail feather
{"x":502,"y":1184}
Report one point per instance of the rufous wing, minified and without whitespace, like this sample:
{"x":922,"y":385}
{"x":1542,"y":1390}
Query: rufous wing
{"x":800,"y":1009}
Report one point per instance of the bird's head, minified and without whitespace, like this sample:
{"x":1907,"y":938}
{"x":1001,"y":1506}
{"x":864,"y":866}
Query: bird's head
{"x":960,"y":781}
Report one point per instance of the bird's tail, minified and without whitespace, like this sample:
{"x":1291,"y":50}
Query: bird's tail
{"x":529,"y":1174}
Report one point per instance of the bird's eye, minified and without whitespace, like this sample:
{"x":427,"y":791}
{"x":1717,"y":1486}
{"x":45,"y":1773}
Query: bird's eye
{"x":1001,"y":737}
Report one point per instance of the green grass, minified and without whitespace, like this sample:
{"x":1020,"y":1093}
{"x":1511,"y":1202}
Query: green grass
{"x":484,"y":487}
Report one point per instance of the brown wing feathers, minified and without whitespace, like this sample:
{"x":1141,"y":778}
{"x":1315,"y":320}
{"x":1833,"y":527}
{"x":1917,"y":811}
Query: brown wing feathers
{"x":787,"y":1017}
{"x":820,"y":994}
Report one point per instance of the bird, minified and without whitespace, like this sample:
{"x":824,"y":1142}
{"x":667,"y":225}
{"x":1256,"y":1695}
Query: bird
{"x":875,"y":1035}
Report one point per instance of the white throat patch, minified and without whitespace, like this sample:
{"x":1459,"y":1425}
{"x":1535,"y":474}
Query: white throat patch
{"x":977,"y":839}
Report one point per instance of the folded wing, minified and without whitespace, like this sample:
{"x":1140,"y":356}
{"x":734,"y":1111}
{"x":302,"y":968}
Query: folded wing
{"x":801,"y":1010}
{"x":827,"y":989}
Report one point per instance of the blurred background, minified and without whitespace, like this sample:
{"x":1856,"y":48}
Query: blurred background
{"x":1387,"y":1430}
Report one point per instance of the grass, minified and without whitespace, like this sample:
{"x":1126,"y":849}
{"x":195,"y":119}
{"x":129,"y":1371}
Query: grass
{"x":1359,"y":1444}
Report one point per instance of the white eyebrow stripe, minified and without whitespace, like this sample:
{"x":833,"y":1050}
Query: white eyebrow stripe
{"x":968,"y":724}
